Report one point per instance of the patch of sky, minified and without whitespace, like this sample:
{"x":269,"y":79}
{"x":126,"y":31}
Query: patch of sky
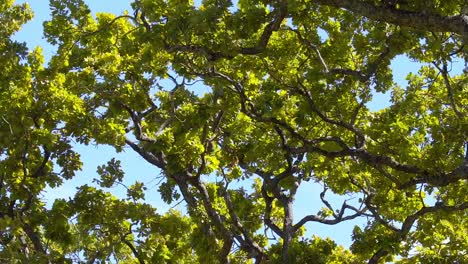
{"x":136,"y":169}
{"x":401,"y":67}
{"x":32,"y":32}
{"x":323,"y":34}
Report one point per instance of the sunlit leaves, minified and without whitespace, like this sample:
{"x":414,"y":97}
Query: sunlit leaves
{"x":168,"y":192}
{"x":110,"y":173}
{"x":219,"y":97}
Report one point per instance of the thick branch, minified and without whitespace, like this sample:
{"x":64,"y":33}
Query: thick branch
{"x":213,"y":215}
{"x":288,"y":227}
{"x":35,"y":239}
{"x":134,"y":251}
{"x":274,"y":25}
{"x":251,"y":244}
{"x":267,"y":217}
{"x":443,"y":179}
{"x":150,"y":157}
{"x":421,"y":20}
{"x":137,"y":124}
{"x":377,"y":256}
{"x":41,"y":169}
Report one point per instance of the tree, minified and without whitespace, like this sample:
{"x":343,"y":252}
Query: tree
{"x":287,"y":85}
{"x":39,"y":120}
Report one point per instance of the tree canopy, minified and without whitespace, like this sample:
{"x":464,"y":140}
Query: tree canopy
{"x":238,"y":104}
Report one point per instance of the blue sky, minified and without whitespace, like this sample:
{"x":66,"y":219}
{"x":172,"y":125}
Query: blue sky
{"x":136,"y":168}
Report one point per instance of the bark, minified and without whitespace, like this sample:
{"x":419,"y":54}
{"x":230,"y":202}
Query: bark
{"x":421,"y":20}
{"x":288,"y":229}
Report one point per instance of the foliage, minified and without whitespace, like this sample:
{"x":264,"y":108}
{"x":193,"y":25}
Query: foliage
{"x":266,"y":96}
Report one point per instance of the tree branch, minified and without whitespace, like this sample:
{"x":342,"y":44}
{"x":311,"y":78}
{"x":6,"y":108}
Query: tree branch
{"x":409,"y":222}
{"x":132,"y":248}
{"x":150,"y":157}
{"x":251,"y":244}
{"x":315,"y":218}
{"x":446,"y":78}
{"x":421,"y":20}
{"x":279,"y":14}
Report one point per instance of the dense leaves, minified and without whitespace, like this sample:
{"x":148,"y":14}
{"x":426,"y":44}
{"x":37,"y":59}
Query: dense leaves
{"x":239,"y":105}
